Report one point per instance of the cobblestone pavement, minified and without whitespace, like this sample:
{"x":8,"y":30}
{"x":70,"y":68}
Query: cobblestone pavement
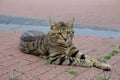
{"x":15,"y":65}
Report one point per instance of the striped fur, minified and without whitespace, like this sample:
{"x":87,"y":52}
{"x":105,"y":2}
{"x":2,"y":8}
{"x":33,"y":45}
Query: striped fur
{"x":57,"y":46}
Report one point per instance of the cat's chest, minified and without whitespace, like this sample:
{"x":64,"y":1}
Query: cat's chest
{"x":67,"y":51}
{"x":63,"y":50}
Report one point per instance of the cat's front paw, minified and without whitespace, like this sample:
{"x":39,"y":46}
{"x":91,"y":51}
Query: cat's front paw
{"x":106,"y":67}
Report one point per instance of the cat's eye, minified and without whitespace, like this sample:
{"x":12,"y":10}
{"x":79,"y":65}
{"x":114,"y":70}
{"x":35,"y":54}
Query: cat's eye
{"x":68,"y":32}
{"x":73,"y":32}
{"x":59,"y":33}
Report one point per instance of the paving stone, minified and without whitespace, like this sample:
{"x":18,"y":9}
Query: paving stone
{"x":89,"y":74}
{"x":37,"y":73}
{"x":8,"y":76}
{"x":53,"y":73}
{"x":64,"y":76}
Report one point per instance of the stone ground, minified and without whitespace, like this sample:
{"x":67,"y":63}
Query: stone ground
{"x":15,"y":65}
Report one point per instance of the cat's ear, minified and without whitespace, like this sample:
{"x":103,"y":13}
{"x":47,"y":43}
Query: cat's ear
{"x":71,"y":21}
{"x":52,"y":22}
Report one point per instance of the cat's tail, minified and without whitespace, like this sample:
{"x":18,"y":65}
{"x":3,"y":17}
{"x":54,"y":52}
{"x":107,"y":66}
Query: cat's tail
{"x":30,"y":40}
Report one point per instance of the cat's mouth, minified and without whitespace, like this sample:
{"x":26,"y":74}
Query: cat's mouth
{"x":65,"y":42}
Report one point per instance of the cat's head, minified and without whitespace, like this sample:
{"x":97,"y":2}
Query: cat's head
{"x":61,"y":32}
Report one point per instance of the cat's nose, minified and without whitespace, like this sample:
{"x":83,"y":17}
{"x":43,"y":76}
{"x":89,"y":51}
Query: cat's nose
{"x":65,"y":39}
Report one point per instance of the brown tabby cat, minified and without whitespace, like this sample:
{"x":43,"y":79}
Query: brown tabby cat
{"x":57,"y":46}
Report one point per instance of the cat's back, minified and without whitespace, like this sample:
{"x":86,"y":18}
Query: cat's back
{"x":32,"y":35}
